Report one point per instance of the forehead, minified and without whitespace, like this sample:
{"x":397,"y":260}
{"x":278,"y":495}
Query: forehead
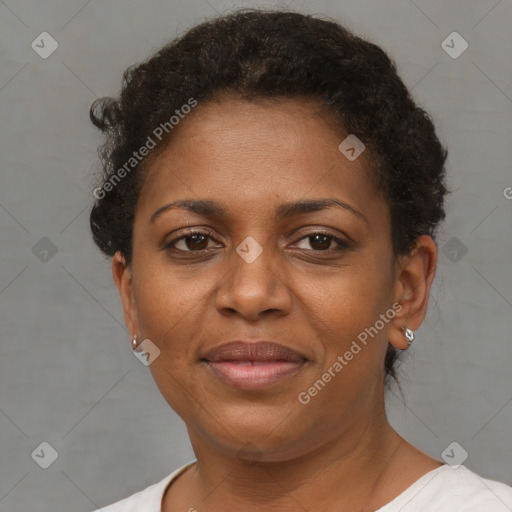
{"x":258,"y":124}
{"x":255,"y":152}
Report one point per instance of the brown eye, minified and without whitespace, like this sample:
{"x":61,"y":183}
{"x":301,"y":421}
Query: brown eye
{"x":322,"y":242}
{"x":196,"y":241}
{"x":191,"y":242}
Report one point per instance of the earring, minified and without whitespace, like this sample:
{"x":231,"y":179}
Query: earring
{"x":408,"y":333}
{"x":134,"y":342}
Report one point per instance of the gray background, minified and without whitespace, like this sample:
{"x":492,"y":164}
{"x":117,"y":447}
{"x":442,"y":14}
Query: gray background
{"x":67,"y":374}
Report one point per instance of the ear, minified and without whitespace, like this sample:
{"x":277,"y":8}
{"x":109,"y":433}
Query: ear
{"x":122,"y":275}
{"x":415,"y":273}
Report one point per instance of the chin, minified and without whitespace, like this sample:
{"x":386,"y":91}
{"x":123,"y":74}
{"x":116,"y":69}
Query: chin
{"x":269,"y":435}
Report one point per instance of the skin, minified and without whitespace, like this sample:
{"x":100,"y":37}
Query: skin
{"x":338,"y":452}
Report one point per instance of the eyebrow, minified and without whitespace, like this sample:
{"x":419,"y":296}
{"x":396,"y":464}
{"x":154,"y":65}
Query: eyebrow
{"x":211,"y":208}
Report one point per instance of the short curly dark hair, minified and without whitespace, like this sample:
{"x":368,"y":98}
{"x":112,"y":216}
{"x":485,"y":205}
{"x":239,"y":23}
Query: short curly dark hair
{"x":261,"y":54}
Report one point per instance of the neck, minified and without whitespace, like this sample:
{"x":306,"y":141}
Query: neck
{"x":344,"y":472}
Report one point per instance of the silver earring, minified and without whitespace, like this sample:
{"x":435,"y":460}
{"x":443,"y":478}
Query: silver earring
{"x":134,"y":342}
{"x":408,"y":333}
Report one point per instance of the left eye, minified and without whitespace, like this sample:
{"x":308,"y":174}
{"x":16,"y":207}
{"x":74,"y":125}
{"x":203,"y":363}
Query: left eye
{"x":194,"y":240}
{"x":322,"y":242}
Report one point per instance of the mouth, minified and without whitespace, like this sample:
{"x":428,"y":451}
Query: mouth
{"x":253,"y":365}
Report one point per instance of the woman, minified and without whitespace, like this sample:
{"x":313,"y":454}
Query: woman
{"x":270,"y":199}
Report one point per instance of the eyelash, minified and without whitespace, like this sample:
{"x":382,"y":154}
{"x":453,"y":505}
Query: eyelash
{"x":342,"y":245}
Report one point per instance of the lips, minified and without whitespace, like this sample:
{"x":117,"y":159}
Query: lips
{"x":253,"y":365}
{"x":260,"y":351}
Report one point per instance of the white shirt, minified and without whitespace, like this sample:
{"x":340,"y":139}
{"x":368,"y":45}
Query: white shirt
{"x":445,"y":489}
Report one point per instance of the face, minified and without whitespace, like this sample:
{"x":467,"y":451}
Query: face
{"x":262,"y":265}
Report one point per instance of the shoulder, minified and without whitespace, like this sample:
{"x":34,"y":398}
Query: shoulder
{"x":476,"y":492}
{"x":453,"y":488}
{"x":147,"y":500}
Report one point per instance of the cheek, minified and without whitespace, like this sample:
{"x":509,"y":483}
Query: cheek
{"x":348,"y":301}
{"x":168,"y":313}
{"x":344,"y":312}
{"x":167,"y":297}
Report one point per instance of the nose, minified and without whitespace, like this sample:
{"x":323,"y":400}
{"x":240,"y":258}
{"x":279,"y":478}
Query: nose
{"x":254,"y":288}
